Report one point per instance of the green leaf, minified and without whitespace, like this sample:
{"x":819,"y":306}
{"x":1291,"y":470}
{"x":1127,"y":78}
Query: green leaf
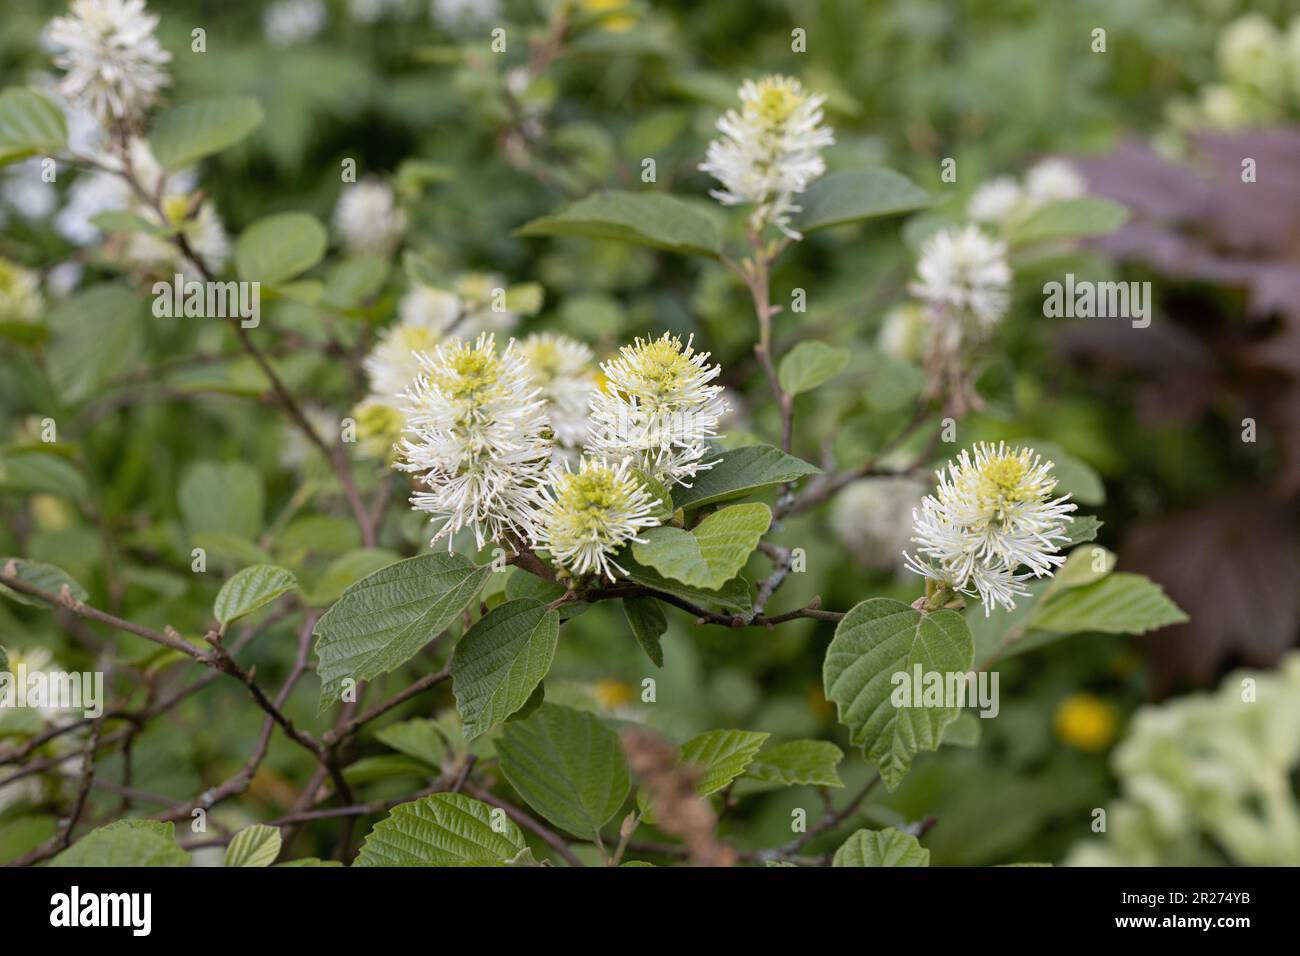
{"x":191,"y":131}
{"x":1083,"y":566}
{"x":713,"y":553}
{"x":808,"y":365}
{"x":723,"y":754}
{"x":740,"y":473}
{"x":383,"y":620}
{"x":355,"y":280}
{"x":120,"y":220}
{"x":126,"y":843}
{"x":875,"y":641}
{"x":964,"y":731}
{"x":799,"y":763}
{"x":648,"y":219}
{"x":345,"y":571}
{"x":1073,"y":477}
{"x":1117,"y":604}
{"x":32,"y":472}
{"x":222,"y":498}
{"x":663,"y":499}
{"x":1082,"y":528}
{"x":30,"y":124}
{"x":255,"y":846}
{"x":646,"y":618}
{"x":385,"y":767}
{"x":250,"y":589}
{"x":852,"y":195}
{"x":445,"y":829}
{"x":568,"y":766}
{"x":416,"y":738}
{"x":1069,"y":219}
{"x":733,"y":596}
{"x":95,"y":335}
{"x":498,"y":664}
{"x":886,"y":847}
{"x":44,"y":576}
{"x":277,"y":248}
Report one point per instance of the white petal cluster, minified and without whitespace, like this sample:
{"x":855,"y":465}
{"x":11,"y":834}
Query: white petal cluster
{"x":657,"y":408}
{"x":870,"y":517}
{"x":963,"y":274}
{"x":113,"y":61}
{"x":369,"y":219}
{"x":991,"y":515}
{"x":475,"y":438}
{"x":289,"y":22}
{"x":564,"y":370}
{"x":591,"y":514}
{"x":770,"y":150}
{"x":1003,"y":201}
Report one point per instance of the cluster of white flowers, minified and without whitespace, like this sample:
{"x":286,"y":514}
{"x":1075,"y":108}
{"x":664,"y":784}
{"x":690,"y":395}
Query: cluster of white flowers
{"x":114,"y":62}
{"x":1258,"y":82}
{"x":964,"y":279}
{"x":369,"y":218}
{"x":1003,"y":201}
{"x":870,"y":517}
{"x":476,"y":437}
{"x":770,"y":150}
{"x":482,"y":429}
{"x":657,"y":407}
{"x":592,"y":513}
{"x":991,"y":515}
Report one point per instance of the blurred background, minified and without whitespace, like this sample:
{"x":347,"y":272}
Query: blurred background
{"x":1193,"y":425}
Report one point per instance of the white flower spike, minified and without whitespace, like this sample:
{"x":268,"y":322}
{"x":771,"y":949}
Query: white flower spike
{"x":770,"y":150}
{"x":475,"y":438}
{"x":991,"y":515}
{"x":657,"y":408}
{"x":114,"y":62}
{"x":592,"y":513}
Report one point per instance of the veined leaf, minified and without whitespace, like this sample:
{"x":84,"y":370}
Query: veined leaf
{"x":250,"y":589}
{"x":278,"y":248}
{"x":808,"y":365}
{"x":383,"y":620}
{"x":445,"y":829}
{"x":30,"y":124}
{"x":886,"y":847}
{"x":44,"y":576}
{"x":732,"y":596}
{"x":723,"y":754}
{"x":500,"y":662}
{"x":1117,"y":604}
{"x":878,"y":645}
{"x":1069,"y":219}
{"x":741,"y":472}
{"x":255,"y":846}
{"x":126,"y":843}
{"x":710,"y":555}
{"x":568,"y":766}
{"x":646,"y":618}
{"x":799,"y":763}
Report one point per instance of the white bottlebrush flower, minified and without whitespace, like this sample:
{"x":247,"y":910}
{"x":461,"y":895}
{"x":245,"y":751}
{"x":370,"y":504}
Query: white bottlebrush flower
{"x":1053,"y":180}
{"x":657,"y":408}
{"x":368,"y":217}
{"x":394,"y":363}
{"x":870,"y":517}
{"x":113,"y":62}
{"x":20,"y":293}
{"x":591,"y":514}
{"x":289,"y":22}
{"x":770,"y":150}
{"x":991,"y":515}
{"x":562,"y":368}
{"x":996,"y":201}
{"x":475,"y":438}
{"x":964,"y":271}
